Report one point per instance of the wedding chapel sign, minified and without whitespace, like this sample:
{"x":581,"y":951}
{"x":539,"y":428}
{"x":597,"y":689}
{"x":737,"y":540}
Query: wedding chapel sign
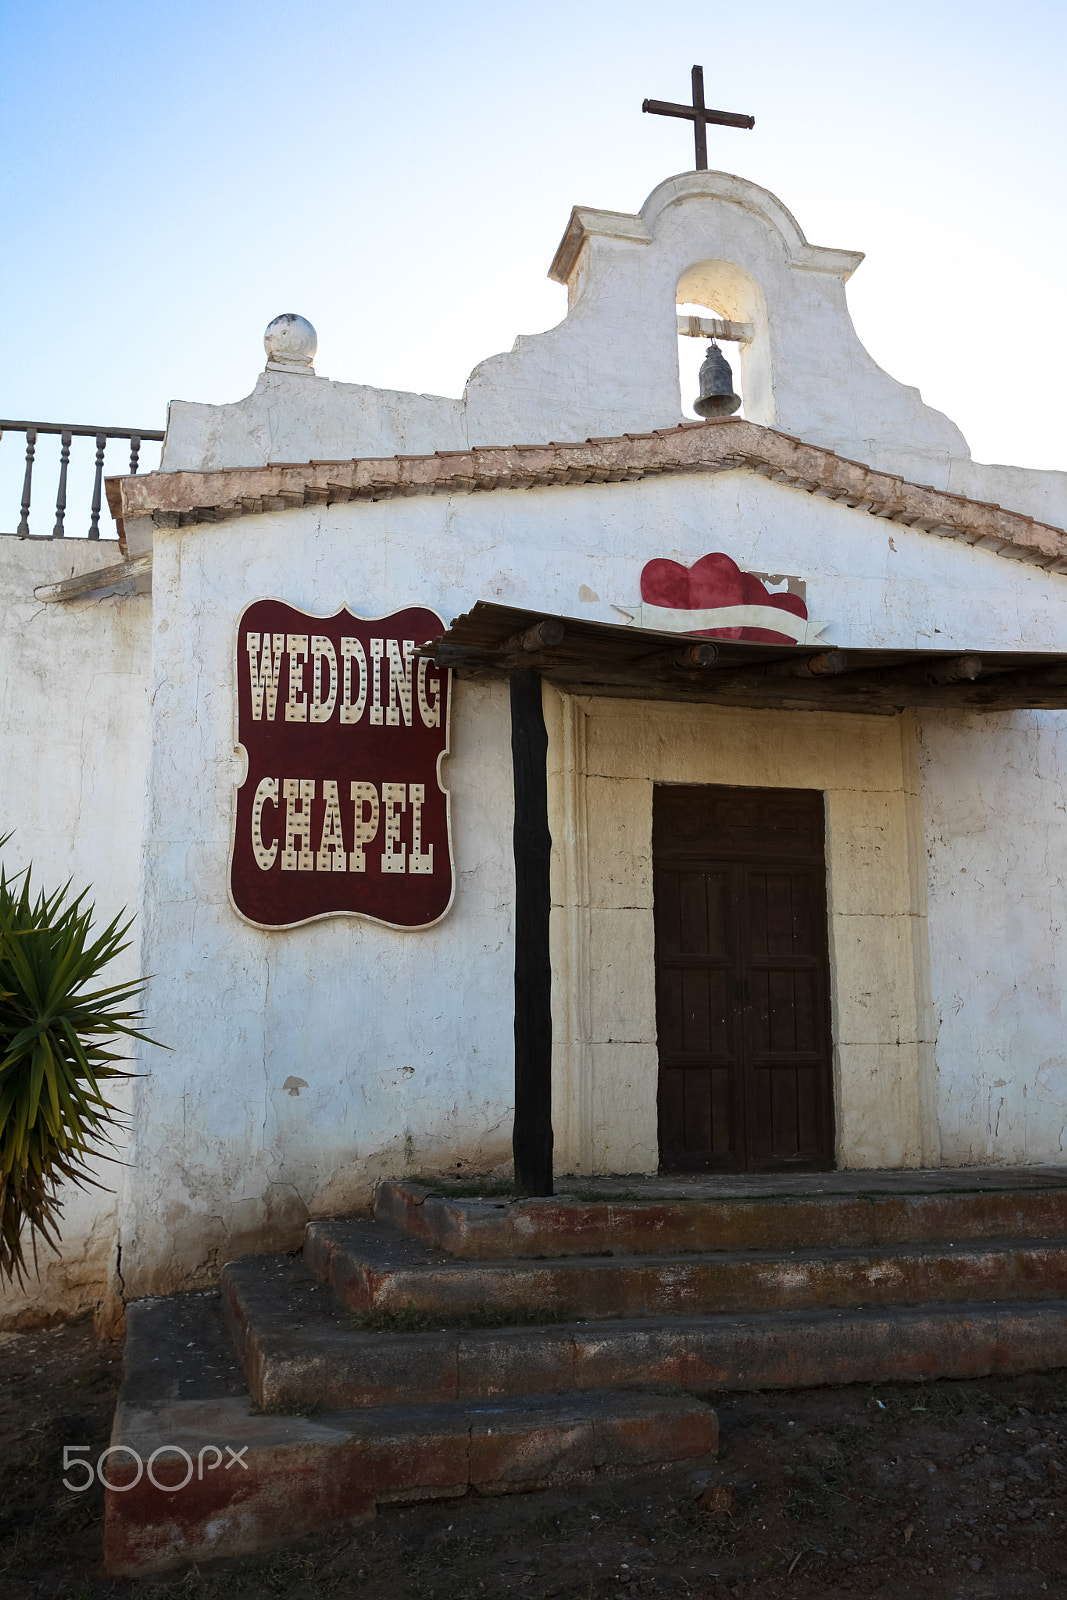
{"x":342,"y":809}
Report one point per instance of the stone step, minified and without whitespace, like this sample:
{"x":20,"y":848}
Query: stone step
{"x":281,"y":1478}
{"x":299,"y":1348}
{"x":909,"y":1208}
{"x":370,"y":1267}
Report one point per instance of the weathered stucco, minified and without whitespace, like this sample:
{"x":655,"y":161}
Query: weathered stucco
{"x":995,"y":797}
{"x":611,"y":365}
{"x":376,"y":1022}
{"x":176,"y":499}
{"x":606,"y":756}
{"x":72,"y":783}
{"x":948,"y":1046}
{"x":404,"y":1040}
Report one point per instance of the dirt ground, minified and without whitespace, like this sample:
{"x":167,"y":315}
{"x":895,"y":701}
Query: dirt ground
{"x":952,"y":1491}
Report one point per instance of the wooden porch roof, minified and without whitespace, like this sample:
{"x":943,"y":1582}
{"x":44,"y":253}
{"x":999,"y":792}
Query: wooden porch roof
{"x":601,"y":658}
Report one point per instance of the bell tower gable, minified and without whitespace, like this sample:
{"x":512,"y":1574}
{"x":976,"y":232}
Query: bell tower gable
{"x":714,"y":240}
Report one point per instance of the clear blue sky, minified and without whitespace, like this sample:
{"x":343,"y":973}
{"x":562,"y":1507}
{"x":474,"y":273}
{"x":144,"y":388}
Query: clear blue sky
{"x":178,"y":173}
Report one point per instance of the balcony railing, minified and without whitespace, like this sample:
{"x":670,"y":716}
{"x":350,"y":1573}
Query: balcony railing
{"x":68,"y":432}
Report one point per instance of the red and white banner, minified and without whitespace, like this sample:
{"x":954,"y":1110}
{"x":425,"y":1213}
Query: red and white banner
{"x":342,"y":809}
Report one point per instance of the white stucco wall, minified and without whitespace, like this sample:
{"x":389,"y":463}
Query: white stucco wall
{"x":404,"y":1039}
{"x":611,"y":365}
{"x":72,"y":784}
{"x":605,"y":757}
{"x":995,"y":799}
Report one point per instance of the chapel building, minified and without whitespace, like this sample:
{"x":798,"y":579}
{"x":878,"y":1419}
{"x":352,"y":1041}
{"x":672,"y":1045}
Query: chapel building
{"x":731,"y":752}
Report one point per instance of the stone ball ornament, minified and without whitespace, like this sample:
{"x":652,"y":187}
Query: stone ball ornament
{"x":290,"y":342}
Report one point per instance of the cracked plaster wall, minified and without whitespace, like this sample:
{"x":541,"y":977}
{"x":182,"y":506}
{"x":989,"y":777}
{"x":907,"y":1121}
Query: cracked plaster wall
{"x":995,"y":800}
{"x":611,"y":365}
{"x":72,"y":784}
{"x":403,"y":1041}
{"x":376,"y":1023}
{"x":605,"y":757}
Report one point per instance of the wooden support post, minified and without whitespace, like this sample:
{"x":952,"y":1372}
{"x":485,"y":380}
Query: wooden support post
{"x":532,"y":1133}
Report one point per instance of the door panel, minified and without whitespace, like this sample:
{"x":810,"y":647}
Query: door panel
{"x":742,"y":979}
{"x":698,"y":1044}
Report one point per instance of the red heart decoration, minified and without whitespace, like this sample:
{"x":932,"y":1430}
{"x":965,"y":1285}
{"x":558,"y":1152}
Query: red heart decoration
{"x":666,"y":583}
{"x":715,"y":580}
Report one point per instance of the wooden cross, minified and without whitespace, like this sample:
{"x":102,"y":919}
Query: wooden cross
{"x":699,"y":116}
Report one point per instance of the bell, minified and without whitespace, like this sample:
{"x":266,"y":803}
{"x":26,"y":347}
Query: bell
{"x":716,"y":398}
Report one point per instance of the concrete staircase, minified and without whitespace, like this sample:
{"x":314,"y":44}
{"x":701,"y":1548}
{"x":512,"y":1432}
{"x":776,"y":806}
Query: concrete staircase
{"x":458,"y":1345}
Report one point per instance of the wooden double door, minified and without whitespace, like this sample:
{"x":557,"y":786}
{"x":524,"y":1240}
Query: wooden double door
{"x":742,"y":980}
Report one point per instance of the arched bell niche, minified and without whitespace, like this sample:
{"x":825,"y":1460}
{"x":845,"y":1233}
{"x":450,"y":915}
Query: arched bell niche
{"x":728,"y":293}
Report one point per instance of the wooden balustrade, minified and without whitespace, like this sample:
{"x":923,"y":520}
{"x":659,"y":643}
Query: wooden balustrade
{"x":68,"y":432}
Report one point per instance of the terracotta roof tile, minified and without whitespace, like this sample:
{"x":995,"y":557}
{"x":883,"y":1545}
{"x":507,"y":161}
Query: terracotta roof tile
{"x":183,"y":498}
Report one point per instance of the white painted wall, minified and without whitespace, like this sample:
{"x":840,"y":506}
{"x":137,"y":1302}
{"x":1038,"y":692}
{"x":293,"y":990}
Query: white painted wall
{"x":606,"y":756}
{"x":72,"y":783}
{"x":404,"y":1039}
{"x":611,"y":366}
{"x":294,"y":416}
{"x":995,"y":800}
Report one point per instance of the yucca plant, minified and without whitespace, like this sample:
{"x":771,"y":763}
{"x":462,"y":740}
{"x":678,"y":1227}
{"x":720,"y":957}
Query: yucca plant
{"x":56,"y":1033}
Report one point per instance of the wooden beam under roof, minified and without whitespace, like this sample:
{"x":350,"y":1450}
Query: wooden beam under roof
{"x":603,"y":658}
